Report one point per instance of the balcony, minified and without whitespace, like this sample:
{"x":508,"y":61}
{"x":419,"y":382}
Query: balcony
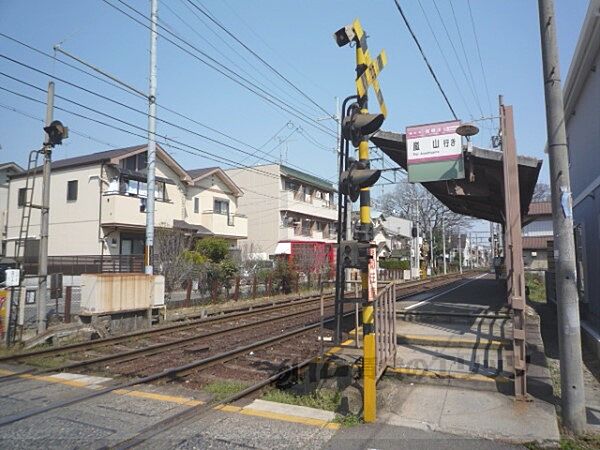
{"x":226,"y":225}
{"x":120,"y":209}
{"x":308,"y":205}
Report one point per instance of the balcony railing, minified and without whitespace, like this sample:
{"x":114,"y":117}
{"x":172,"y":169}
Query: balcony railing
{"x":79,"y":264}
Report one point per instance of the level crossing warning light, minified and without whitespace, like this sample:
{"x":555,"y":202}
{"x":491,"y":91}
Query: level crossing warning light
{"x":357,"y":177}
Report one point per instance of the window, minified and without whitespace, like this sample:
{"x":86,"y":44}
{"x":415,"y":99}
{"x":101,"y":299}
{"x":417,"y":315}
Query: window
{"x":22,"y":197}
{"x":196,"y":205}
{"x":221,"y":207}
{"x":72,"y":190}
{"x":160,"y":191}
{"x":135,"y":163}
{"x":290,"y":185}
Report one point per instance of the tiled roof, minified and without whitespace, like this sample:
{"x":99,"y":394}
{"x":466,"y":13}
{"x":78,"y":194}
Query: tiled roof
{"x":87,"y":159}
{"x":540,"y":208}
{"x":536,"y":242}
{"x":196,"y":173}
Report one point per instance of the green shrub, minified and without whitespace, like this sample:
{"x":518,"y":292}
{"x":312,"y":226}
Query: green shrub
{"x":394,"y":264}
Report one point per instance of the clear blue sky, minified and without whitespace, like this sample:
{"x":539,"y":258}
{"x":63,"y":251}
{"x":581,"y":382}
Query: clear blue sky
{"x":296,"y":38}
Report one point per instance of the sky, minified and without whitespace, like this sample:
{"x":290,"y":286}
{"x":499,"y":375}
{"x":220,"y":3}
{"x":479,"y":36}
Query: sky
{"x":295,"y":39}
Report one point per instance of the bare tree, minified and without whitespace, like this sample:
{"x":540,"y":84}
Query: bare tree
{"x":541,"y":193}
{"x":173,"y":259}
{"x":416,"y":203}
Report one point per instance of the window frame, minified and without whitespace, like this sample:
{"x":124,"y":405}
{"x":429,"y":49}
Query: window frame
{"x":69,"y":192}
{"x":21,"y":197}
{"x":196,"y":205}
{"x":220,"y":210}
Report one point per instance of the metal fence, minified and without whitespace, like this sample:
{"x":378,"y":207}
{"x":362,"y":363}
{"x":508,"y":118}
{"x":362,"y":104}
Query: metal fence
{"x":79,"y":264}
{"x":385,"y":328}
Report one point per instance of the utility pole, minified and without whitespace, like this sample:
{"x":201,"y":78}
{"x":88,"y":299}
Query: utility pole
{"x":444,"y":244}
{"x":151,"y":160}
{"x":460,"y":251}
{"x":567,"y":299}
{"x":430,"y":248}
{"x":45,"y":218}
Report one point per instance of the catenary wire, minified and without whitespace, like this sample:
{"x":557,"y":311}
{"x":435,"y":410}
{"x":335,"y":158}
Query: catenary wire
{"x":222,"y":69}
{"x":431,"y":71}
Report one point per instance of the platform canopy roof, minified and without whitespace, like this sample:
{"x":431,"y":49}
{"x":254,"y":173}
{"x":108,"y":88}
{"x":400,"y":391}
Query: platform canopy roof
{"x":480,"y":193}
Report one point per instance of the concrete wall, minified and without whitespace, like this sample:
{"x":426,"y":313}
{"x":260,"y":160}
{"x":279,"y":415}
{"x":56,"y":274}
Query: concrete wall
{"x":583,"y":130}
{"x":73,"y":224}
{"x":261,"y":205}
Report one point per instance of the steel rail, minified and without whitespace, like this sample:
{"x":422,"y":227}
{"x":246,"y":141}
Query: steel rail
{"x":158,"y":330}
{"x":154,"y":349}
{"x":171,"y":373}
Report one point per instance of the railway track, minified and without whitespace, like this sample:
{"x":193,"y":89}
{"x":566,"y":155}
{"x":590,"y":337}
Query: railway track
{"x":194,"y":323}
{"x":261,"y":361}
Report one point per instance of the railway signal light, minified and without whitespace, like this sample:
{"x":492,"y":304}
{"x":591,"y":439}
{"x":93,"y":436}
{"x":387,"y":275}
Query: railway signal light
{"x":358,"y":126}
{"x":357,"y":177}
{"x":56,"y":133}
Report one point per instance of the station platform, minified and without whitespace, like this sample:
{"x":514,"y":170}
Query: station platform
{"x":454,"y":371}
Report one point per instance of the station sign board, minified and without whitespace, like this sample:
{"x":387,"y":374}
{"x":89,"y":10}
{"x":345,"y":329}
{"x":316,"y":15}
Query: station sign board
{"x":434,"y":152}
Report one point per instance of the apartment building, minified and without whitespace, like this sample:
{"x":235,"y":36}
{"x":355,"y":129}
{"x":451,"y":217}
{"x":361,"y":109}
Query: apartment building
{"x":97,"y":203}
{"x":6,"y":171}
{"x":287,"y":209}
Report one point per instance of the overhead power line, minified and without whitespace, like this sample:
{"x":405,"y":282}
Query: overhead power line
{"x":431,"y":71}
{"x":462,"y":69}
{"x":225,"y":71}
{"x":257,"y":56}
{"x":439,"y":46}
{"x":161,"y":105}
{"x":468,"y":64}
{"x":487,"y":89}
{"x":124,"y":105}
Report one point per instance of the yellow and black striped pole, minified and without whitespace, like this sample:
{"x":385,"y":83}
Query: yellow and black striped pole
{"x":368,"y":291}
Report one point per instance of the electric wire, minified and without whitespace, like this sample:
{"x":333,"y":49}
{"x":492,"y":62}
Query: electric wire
{"x":468,"y":64}
{"x":131,"y":108}
{"x":257,"y":56}
{"x":161,"y":105}
{"x":448,"y":67}
{"x":222,"y":69}
{"x":462,"y":69}
{"x":207,"y":25}
{"x":431,"y":71}
{"x":487,"y":89}
{"x":192,"y":150}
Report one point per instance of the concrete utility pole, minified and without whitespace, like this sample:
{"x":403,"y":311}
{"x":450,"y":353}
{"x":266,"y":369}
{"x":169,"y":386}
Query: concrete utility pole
{"x":567,"y":299}
{"x":431,"y":265}
{"x":151,"y":160}
{"x":444,"y":244}
{"x":45,"y":218}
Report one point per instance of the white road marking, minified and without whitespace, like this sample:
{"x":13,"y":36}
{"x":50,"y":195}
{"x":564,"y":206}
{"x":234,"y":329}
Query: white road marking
{"x":445,"y":292}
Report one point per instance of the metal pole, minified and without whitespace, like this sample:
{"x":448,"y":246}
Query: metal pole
{"x":444,"y":244}
{"x":368,"y":275}
{"x":460,"y":251}
{"x":431,"y":248}
{"x":569,"y":333}
{"x":418,"y":253}
{"x":44,"y":220}
{"x":149,"y":248}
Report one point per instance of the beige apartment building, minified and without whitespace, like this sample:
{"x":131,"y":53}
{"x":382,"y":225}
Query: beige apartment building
{"x":284,"y":207}
{"x":97,"y":203}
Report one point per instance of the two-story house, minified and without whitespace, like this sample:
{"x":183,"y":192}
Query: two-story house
{"x":289,"y":212}
{"x":536,"y":235}
{"x":97,"y":203}
{"x":6,"y":171}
